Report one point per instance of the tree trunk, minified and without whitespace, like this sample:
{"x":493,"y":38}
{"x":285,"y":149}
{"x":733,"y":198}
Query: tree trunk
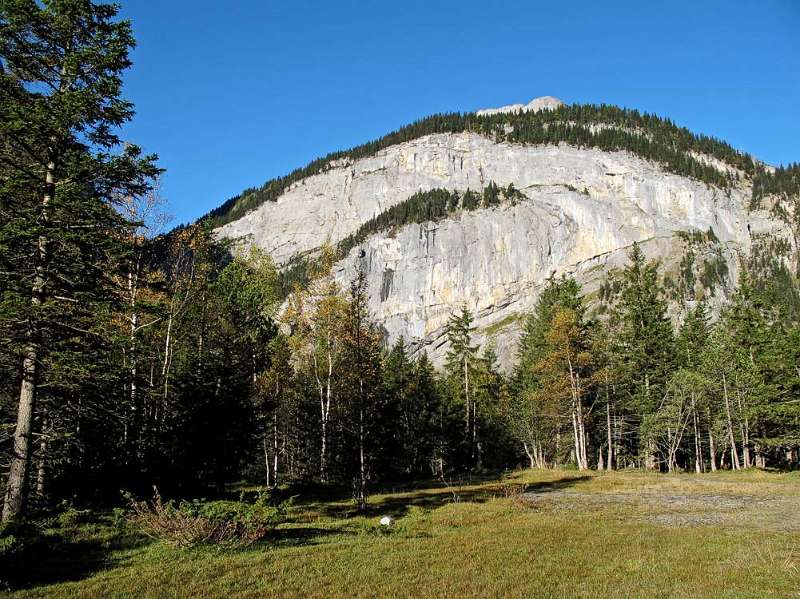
{"x":731,"y":438}
{"x":266,"y":458}
{"x":745,"y":431}
{"x":610,"y":460}
{"x":600,"y":464}
{"x":698,"y":456}
{"x":712,"y":449}
{"x":531,"y":458}
{"x":670,"y":454}
{"x":16,"y":487}
{"x":362,"y":472}
{"x":578,"y":460}
{"x":275,"y":448}
{"x":14,"y":504}
{"x":652,"y":459}
{"x":539,"y":453}
{"x":761,"y":462}
{"x":577,"y":419}
{"x":467,"y":418}
{"x":323,"y":453}
{"x":325,"y":393}
{"x":41,"y":474}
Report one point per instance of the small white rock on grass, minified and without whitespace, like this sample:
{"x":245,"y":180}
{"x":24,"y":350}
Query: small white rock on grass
{"x":386,"y":521}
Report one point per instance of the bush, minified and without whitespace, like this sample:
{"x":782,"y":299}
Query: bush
{"x":230,"y":523}
{"x":69,"y":516}
{"x":9,"y":542}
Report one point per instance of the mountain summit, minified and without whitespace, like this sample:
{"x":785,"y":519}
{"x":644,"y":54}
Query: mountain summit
{"x":535,"y":105}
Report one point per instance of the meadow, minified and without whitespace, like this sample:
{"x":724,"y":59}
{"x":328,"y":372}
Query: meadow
{"x":537,"y":533}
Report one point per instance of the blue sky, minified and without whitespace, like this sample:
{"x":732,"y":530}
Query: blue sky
{"x":232,"y":93}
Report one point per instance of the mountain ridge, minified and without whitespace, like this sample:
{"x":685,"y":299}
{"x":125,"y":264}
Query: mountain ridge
{"x":579,"y":115}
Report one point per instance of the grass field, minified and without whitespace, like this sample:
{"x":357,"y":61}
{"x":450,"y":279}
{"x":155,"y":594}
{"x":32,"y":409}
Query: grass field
{"x":532,"y":534}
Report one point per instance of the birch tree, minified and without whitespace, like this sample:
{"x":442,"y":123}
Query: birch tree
{"x":315,"y":316}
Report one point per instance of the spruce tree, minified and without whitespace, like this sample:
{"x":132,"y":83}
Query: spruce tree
{"x":646,"y":344}
{"x":60,"y":108}
{"x":361,"y":349}
{"x":461,"y":367}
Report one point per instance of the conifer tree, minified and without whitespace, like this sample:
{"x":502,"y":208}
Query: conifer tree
{"x":60,"y":104}
{"x":462,"y":367}
{"x":362,"y":354}
{"x":646,"y":344}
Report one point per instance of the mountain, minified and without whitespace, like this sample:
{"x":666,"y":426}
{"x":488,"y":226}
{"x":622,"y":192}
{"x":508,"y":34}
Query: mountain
{"x":480,"y":209}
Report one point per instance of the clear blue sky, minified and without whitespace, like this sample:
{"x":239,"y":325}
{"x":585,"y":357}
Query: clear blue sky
{"x":232,"y":93}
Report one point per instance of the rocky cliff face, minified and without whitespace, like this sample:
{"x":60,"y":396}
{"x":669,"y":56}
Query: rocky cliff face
{"x":582,"y":209}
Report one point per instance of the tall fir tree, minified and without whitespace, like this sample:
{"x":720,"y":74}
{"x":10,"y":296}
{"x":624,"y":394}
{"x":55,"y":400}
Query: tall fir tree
{"x":63,"y":172}
{"x":462,"y":368}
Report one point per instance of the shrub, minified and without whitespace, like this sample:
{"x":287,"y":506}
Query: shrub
{"x":9,"y":542}
{"x":230,"y":523}
{"x":69,"y":516}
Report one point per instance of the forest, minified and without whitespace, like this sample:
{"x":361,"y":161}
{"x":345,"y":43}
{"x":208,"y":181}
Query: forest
{"x":132,"y":356}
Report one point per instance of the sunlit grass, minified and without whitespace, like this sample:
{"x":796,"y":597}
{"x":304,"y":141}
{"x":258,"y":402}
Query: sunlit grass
{"x":583,"y":535}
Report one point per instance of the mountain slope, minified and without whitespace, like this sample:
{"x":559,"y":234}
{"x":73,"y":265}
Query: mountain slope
{"x":581,"y":201}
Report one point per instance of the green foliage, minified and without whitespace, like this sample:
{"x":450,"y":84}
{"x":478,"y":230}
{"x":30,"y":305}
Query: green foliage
{"x":424,"y":206}
{"x":714,"y":273}
{"x":646,"y":338}
{"x":784,"y":183}
{"x":10,"y":542}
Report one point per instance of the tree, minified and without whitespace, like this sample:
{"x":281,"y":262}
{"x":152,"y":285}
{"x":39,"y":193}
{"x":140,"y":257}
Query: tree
{"x":667,"y":426}
{"x":362,"y":354}
{"x":538,"y":414}
{"x":60,"y":83}
{"x":646,"y":345}
{"x":565,"y":374}
{"x":461,"y":366}
{"x":690,"y":344}
{"x":315,"y":316}
{"x":274,"y":394}
{"x":412,"y":402}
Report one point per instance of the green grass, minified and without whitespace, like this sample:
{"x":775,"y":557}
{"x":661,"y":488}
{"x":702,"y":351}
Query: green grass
{"x":627,"y":534}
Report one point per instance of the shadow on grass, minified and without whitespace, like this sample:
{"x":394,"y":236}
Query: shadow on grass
{"x":429,"y":499}
{"x":62,"y":556}
{"x":299,"y":536}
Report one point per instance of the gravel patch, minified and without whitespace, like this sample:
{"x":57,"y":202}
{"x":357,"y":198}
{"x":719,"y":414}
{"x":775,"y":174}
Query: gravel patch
{"x":673,"y":509}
